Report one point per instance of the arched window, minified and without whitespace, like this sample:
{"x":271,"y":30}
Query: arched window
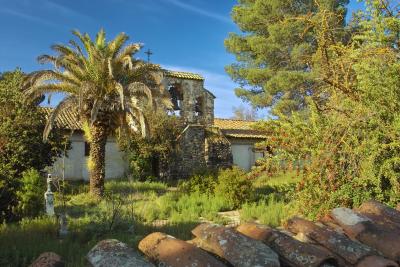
{"x":199,"y":106}
{"x":176,"y":97}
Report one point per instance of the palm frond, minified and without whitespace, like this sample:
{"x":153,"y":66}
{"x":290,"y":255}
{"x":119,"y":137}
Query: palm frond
{"x":43,"y":59}
{"x":116,"y":44}
{"x":36,"y":91}
{"x":40,"y":77}
{"x":64,"y":104}
{"x":129,"y":50}
{"x":77,"y":47}
{"x":140,"y":89}
{"x":100,"y":77}
{"x":137,"y":115}
{"x":95,"y":110}
{"x":121,"y":93}
{"x":101,"y":39}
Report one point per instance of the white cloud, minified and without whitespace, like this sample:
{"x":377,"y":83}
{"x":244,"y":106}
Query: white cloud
{"x":200,"y":11}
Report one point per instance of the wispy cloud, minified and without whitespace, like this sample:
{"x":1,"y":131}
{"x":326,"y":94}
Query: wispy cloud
{"x":26,"y":16}
{"x":64,"y":10}
{"x":21,"y":12}
{"x":200,"y":11}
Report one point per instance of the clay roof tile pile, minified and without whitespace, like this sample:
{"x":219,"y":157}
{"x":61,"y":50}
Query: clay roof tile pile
{"x":365,"y":237}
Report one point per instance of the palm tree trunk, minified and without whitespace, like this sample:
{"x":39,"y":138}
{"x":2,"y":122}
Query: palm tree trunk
{"x":97,"y":170}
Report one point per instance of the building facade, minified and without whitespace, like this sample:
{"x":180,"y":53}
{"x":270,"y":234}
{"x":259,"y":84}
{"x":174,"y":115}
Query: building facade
{"x":205,"y":142}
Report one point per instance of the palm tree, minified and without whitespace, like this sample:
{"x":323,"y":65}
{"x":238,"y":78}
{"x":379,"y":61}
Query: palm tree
{"x":106,"y":85}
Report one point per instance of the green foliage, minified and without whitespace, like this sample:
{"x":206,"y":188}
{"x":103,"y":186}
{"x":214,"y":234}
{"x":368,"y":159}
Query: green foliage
{"x":203,"y":183}
{"x":103,"y":82}
{"x":275,"y":50}
{"x":21,"y":139}
{"x":182,"y":207}
{"x":275,"y":197}
{"x":127,"y":186}
{"x":231,"y":184}
{"x":30,"y":194}
{"x":339,"y":115}
{"x":149,"y":156}
{"x":132,"y":211}
{"x":271,"y":212}
{"x":234,"y":186}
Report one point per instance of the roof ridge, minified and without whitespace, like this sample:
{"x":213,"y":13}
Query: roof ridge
{"x":227,"y":119}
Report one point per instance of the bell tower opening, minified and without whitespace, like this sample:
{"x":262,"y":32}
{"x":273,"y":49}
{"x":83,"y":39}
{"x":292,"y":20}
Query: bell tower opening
{"x":176,"y":94}
{"x":199,"y":107}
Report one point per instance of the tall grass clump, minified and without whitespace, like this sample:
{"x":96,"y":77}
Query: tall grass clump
{"x":269,"y":211}
{"x":127,"y":186}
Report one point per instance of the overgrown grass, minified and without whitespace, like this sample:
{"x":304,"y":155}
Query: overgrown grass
{"x":126,"y":186}
{"x":272,"y":199}
{"x":130,"y":211}
{"x":21,"y":243}
{"x":281,"y":178}
{"x":182,"y":208}
{"x":271,"y":212}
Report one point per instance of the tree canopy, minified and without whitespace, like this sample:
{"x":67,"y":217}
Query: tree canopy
{"x":275,"y":50}
{"x":21,"y":143}
{"x":334,"y":88}
{"x":108,"y":87}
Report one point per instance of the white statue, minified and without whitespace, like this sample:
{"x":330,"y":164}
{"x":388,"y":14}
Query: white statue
{"x":49,"y":197}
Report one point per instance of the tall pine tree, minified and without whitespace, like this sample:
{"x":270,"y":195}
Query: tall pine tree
{"x":275,"y":50}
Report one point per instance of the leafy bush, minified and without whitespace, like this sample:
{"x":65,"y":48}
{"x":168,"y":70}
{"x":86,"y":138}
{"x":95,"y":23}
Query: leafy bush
{"x":202,"y":182}
{"x":30,"y":194}
{"x":234,"y":186}
{"x":148,"y":157}
{"x":282,"y":192}
{"x":22,"y":123}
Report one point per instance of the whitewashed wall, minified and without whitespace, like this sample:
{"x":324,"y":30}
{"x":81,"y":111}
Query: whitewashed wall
{"x":75,"y":167}
{"x":243,"y":154}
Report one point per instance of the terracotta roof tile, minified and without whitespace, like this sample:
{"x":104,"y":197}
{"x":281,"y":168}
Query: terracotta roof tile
{"x":183,"y":75}
{"x":238,"y":128}
{"x":68,"y":119}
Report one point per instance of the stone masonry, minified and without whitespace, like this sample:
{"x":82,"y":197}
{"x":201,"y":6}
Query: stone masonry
{"x":200,"y":145}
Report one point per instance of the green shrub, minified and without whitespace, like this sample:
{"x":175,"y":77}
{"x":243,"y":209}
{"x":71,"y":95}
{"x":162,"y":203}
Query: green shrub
{"x":282,"y":192}
{"x":203,"y":183}
{"x":30,"y":195}
{"x":234,"y":186}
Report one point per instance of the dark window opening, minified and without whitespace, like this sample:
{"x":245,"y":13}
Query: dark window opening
{"x":199,"y":106}
{"x":87,"y":149}
{"x":176,"y":97}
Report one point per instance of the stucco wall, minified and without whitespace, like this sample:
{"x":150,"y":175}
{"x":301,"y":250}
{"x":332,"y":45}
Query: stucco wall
{"x":243,"y":153}
{"x":75,"y":166}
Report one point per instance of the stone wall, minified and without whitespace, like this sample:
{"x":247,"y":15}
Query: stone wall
{"x":197,"y":106}
{"x":190,"y":150}
{"x":218,"y":151}
{"x":194,"y":150}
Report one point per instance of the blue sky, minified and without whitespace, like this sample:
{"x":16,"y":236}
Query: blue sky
{"x":183,"y":34}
